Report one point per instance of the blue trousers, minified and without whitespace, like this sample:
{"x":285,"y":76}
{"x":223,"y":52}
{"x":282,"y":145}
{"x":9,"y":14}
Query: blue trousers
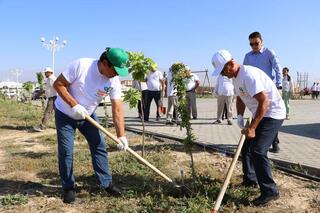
{"x":66,"y":128}
{"x":255,"y":161}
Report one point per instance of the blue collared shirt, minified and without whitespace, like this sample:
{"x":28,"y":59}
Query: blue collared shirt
{"x":267,"y":61}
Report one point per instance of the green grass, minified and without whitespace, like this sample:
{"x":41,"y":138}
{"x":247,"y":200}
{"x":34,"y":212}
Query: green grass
{"x":11,"y":200}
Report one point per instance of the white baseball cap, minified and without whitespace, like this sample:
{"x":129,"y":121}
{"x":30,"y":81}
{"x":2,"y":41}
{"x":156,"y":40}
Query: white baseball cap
{"x":188,"y":68}
{"x":219,"y":59}
{"x":48,"y":69}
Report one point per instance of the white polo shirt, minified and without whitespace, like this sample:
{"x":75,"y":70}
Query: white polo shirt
{"x":171,"y":90}
{"x":88,"y":86}
{"x":153,"y":80}
{"x":224,"y":86}
{"x":50,"y":91}
{"x":191,"y":82}
{"x":251,"y":81}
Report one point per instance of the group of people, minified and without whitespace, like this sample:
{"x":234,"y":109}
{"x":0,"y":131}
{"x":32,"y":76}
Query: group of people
{"x":87,"y":81}
{"x":153,"y":88}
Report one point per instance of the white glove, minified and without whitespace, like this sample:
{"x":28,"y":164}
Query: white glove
{"x":79,"y":112}
{"x":124,"y":143}
{"x":240,"y":121}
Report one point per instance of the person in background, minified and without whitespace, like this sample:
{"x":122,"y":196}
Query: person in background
{"x":255,"y":90}
{"x":142,"y":87}
{"x":266,"y":60}
{"x":172,"y":115}
{"x":287,"y":90}
{"x":314,"y":90}
{"x":192,"y":83}
{"x":224,"y":90}
{"x":51,"y":95}
{"x":81,"y":87}
{"x":155,"y":84}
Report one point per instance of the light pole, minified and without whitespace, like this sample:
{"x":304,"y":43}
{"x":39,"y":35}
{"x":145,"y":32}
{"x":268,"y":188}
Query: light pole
{"x":53,"y":46}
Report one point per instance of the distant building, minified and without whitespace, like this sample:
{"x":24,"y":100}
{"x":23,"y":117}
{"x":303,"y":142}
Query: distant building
{"x":10,"y":88}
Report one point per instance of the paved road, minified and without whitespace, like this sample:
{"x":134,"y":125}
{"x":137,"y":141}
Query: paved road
{"x":299,"y":136}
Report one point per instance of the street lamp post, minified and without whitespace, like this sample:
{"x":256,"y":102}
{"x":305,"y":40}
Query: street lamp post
{"x":53,"y":45}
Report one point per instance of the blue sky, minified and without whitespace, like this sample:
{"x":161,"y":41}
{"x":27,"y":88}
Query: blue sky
{"x":167,"y":31}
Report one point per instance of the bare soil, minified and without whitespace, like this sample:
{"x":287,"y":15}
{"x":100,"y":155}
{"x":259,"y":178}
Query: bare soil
{"x":296,"y":193}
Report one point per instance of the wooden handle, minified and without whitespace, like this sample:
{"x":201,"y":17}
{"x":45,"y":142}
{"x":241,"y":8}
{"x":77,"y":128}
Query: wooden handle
{"x":114,"y":138}
{"x":230,"y":171}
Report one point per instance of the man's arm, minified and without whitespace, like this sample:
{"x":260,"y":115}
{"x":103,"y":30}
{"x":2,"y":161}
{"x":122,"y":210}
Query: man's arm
{"x":277,"y":68}
{"x":240,"y":106}
{"x":263,"y":104}
{"x":61,"y":86}
{"x":197,"y":85}
{"x":118,"y":117}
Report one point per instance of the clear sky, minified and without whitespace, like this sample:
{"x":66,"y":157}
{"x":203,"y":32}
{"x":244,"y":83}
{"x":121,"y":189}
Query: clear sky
{"x":167,"y":31}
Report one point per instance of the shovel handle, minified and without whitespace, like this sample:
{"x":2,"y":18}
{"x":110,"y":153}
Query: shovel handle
{"x":114,"y":138}
{"x":230,"y":171}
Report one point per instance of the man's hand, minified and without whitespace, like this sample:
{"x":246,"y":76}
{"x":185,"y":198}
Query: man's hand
{"x":249,"y":132}
{"x":79,"y":112}
{"x":240,"y":121}
{"x":124,"y":143}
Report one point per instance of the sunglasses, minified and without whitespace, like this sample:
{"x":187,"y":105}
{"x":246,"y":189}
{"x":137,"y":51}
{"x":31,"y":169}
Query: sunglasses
{"x":254,"y":44}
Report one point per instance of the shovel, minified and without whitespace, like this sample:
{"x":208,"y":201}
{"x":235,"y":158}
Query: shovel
{"x":114,"y":138}
{"x":230,"y":171}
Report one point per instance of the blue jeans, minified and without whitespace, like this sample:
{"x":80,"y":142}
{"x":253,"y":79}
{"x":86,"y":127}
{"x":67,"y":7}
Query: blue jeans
{"x":66,"y":128}
{"x":255,"y":161}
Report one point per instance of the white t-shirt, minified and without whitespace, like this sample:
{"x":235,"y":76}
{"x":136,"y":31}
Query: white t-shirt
{"x":191,"y":82}
{"x":287,"y":85}
{"x":50,"y":91}
{"x":171,"y":90}
{"x":224,"y":86}
{"x":251,"y":81}
{"x":88,"y":86}
{"x":153,"y":80}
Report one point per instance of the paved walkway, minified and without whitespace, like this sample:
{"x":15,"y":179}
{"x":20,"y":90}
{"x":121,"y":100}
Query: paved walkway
{"x":299,"y":136}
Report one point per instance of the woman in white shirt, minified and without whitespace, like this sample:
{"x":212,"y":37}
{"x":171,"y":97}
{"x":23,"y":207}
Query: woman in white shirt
{"x":287,"y":89}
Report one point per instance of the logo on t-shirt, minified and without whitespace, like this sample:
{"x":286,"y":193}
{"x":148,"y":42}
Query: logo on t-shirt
{"x":108,"y":89}
{"x":242,"y":92}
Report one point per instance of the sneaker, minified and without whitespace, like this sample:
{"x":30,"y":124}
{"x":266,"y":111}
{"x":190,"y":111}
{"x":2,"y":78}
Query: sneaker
{"x":275,"y":148}
{"x":37,"y":128}
{"x":69,"y":195}
{"x":217,"y":122}
{"x":229,"y":122}
{"x":287,"y":117}
{"x":194,"y":118}
{"x":264,"y":199}
{"x":113,"y":190}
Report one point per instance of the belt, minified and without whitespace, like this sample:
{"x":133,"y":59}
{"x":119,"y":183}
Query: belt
{"x":190,"y":90}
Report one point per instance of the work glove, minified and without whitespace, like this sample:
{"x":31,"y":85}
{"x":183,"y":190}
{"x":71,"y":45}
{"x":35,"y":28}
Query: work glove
{"x":124,"y":143}
{"x":240,"y":121}
{"x":79,"y":112}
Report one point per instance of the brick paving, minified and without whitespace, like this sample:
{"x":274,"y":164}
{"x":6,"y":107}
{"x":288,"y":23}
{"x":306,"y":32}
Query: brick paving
{"x":299,"y":136}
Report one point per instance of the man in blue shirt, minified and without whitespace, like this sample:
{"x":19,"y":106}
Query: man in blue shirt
{"x":266,"y":60}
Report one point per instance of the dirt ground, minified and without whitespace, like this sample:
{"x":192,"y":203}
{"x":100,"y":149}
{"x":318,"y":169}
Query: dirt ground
{"x":297,"y":194}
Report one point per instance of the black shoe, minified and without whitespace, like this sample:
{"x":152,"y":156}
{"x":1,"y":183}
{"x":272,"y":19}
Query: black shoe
{"x":158,"y":119}
{"x":275,"y":148}
{"x":194,"y":118}
{"x":264,"y":199}
{"x":69,"y":195}
{"x":113,"y":190}
{"x":249,"y":184}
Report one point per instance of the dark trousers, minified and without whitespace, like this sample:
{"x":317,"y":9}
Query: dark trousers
{"x":255,"y":161}
{"x":156,"y":95}
{"x":143,"y":100}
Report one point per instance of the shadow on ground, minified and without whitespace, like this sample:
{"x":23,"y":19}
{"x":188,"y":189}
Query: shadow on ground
{"x":306,"y":130}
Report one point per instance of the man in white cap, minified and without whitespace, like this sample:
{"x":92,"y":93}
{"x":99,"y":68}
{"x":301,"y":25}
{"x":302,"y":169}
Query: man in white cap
{"x":81,"y":87}
{"x":257,"y":91}
{"x":51,"y":95}
{"x":192,"y":83}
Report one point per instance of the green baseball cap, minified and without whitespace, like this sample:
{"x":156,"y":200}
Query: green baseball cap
{"x":118,"y":58}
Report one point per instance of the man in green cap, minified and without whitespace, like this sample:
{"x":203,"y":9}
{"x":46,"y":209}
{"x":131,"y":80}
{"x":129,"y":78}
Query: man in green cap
{"x":80,"y":89}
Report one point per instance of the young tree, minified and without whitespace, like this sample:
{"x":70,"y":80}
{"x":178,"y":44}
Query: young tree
{"x":28,"y":86}
{"x":139,"y":67}
{"x":179,"y":77}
